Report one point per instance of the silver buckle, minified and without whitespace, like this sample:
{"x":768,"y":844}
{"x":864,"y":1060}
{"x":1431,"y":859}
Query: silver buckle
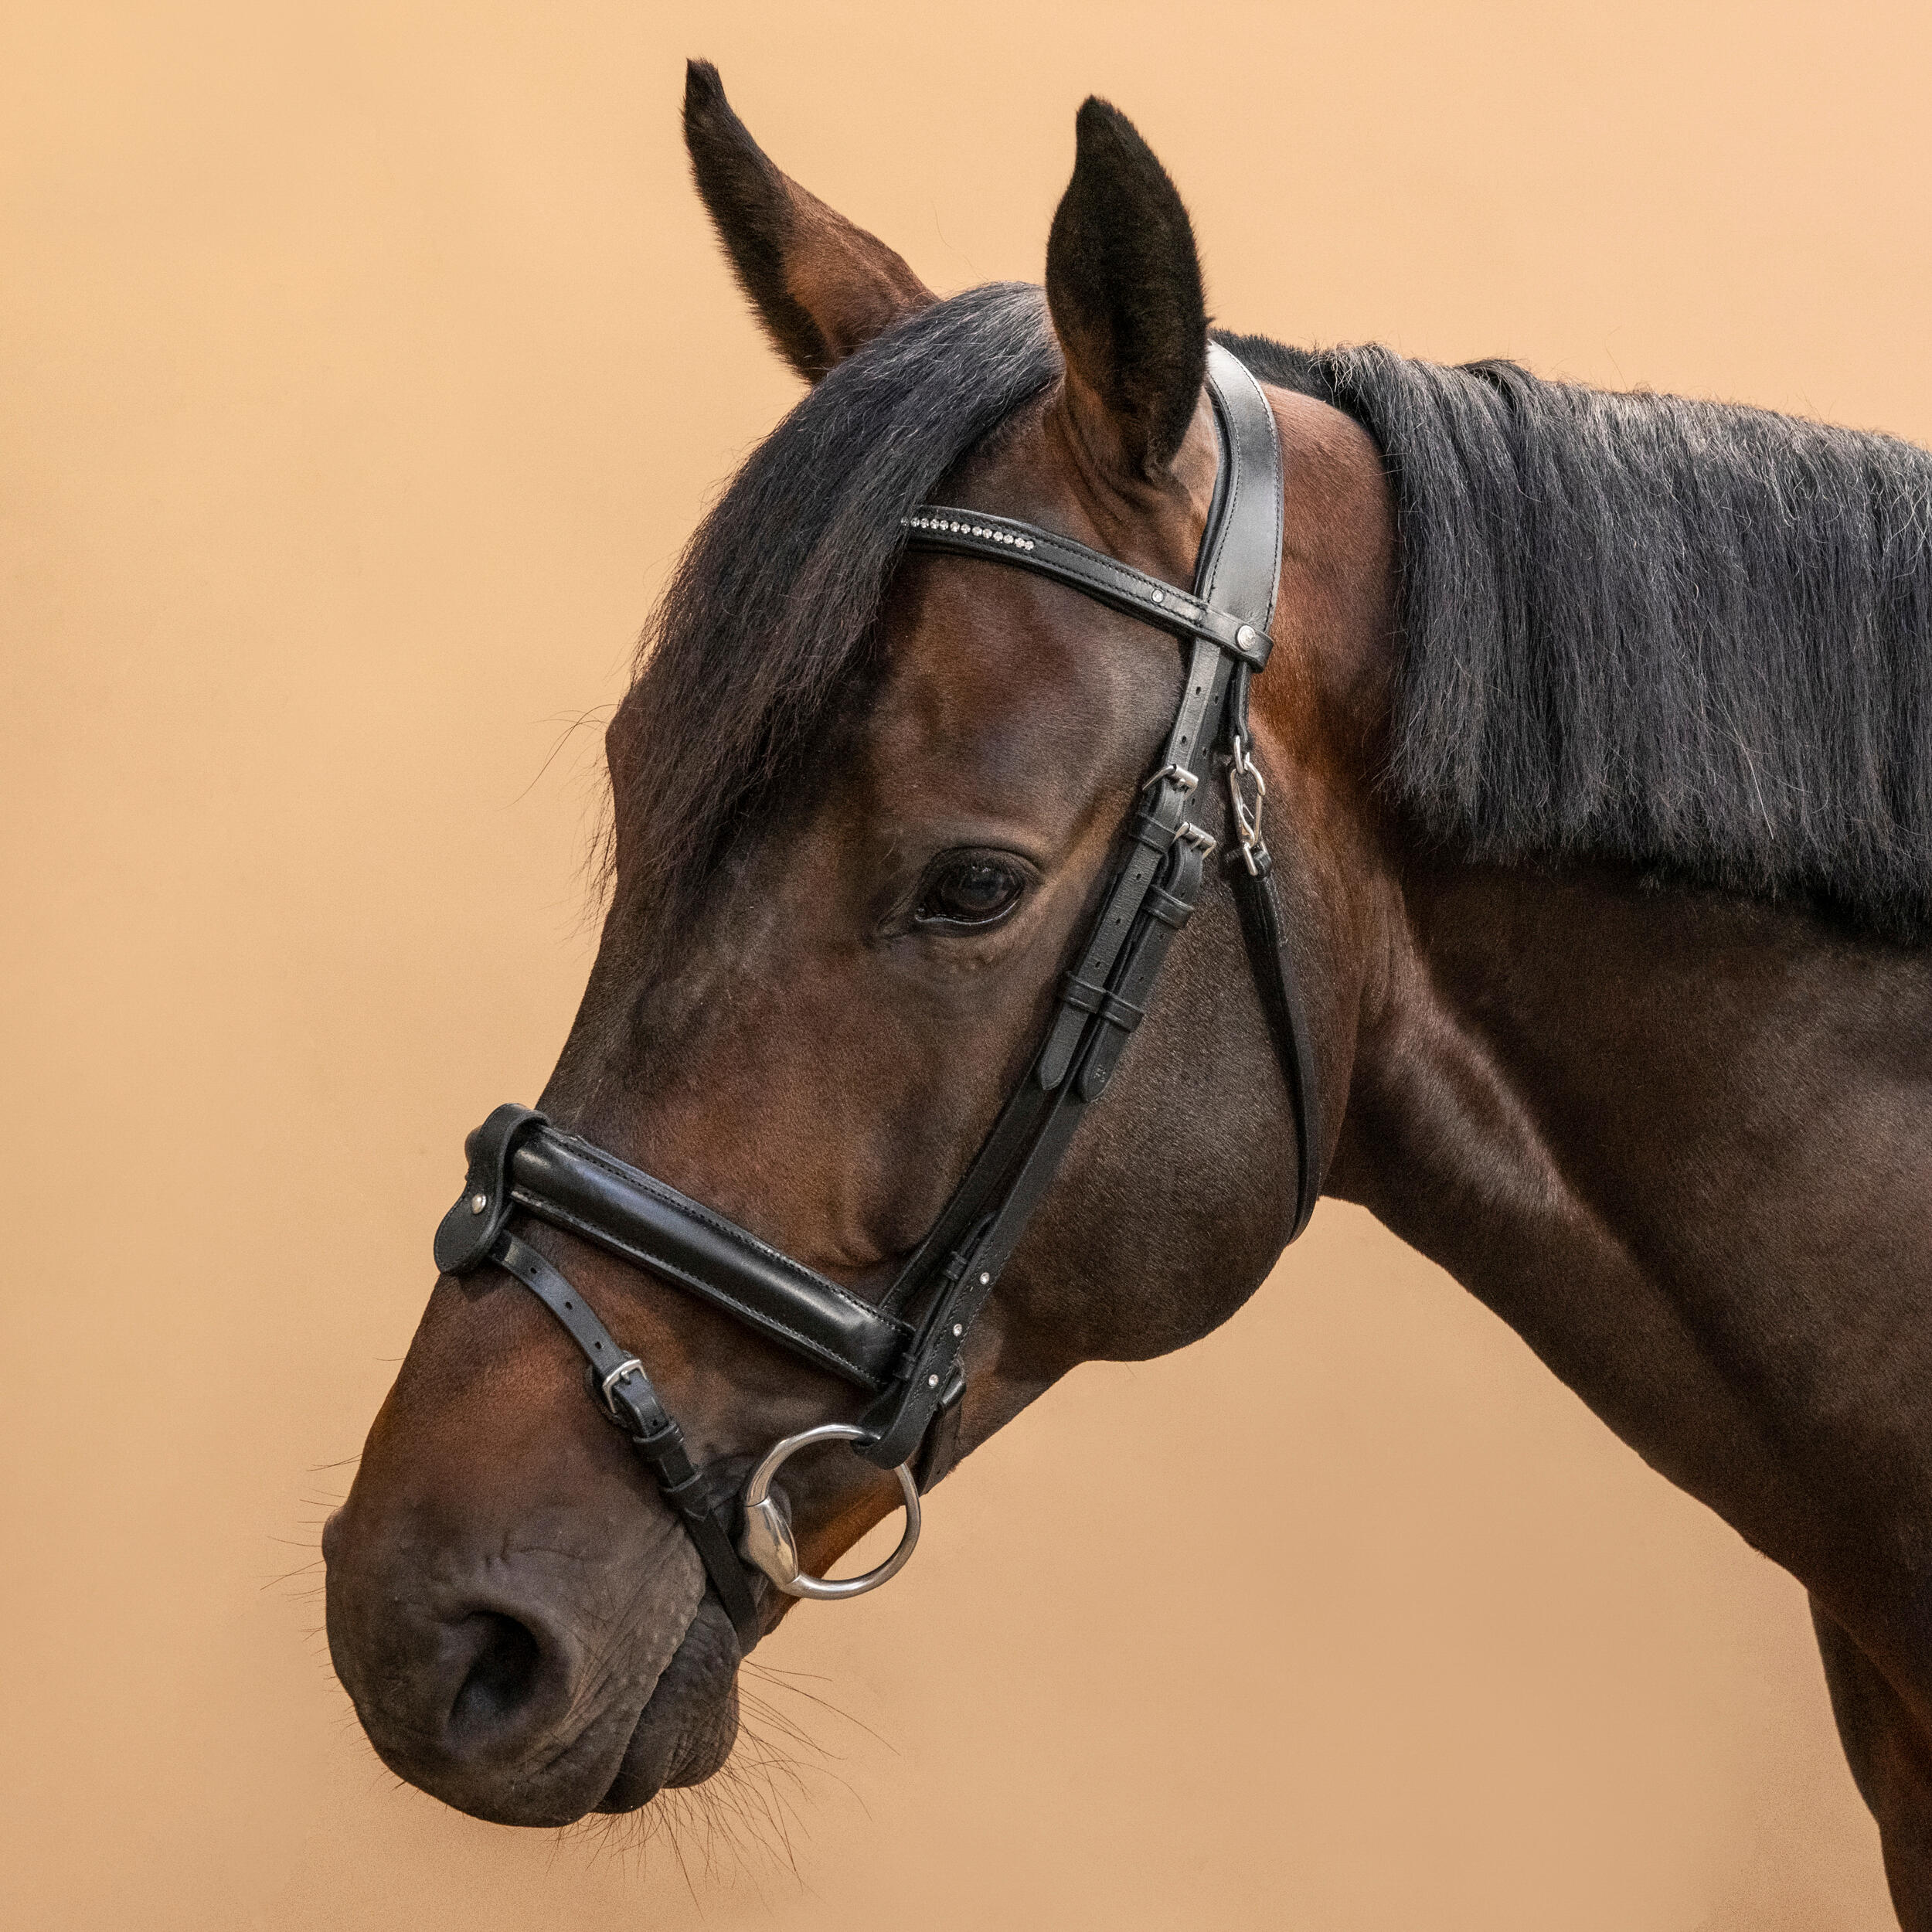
{"x":616,"y":1376}
{"x":1186,"y":780}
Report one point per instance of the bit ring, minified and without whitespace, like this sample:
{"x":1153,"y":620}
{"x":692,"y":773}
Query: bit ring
{"x":768,"y":1543}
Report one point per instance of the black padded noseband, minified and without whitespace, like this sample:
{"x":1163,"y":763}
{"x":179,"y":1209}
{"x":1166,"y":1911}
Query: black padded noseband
{"x":905,"y":1352}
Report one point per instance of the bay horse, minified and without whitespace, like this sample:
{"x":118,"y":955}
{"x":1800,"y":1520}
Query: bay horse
{"x":1595,"y":739}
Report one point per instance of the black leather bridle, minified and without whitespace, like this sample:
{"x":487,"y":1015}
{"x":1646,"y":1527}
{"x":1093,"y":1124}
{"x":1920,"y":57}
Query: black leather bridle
{"x":904,"y":1351}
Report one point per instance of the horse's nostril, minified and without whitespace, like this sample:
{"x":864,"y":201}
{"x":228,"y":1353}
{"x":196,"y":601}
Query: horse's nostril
{"x":502,"y":1676}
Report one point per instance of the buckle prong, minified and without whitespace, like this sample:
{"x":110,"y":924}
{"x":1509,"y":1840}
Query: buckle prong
{"x":1185,"y":779}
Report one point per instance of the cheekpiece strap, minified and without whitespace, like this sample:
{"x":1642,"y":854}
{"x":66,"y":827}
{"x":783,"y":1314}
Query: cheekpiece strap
{"x":1225,"y":618}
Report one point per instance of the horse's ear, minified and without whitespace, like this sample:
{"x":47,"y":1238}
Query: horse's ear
{"x":1124,"y":283}
{"x":821,"y":287}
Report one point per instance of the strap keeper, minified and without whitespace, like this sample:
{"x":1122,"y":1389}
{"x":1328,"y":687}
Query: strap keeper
{"x":691,"y":1485}
{"x":660,"y":1441}
{"x":1169,"y":910}
{"x":1084,"y":997}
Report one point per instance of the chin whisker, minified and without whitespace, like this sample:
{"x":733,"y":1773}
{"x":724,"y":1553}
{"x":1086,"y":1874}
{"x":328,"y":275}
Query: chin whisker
{"x":794,"y":1684}
{"x":749,"y":1818}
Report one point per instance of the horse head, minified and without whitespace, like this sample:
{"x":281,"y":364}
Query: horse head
{"x":866,"y":802}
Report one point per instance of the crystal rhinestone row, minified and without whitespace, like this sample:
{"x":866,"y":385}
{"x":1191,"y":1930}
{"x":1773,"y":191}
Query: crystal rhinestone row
{"x":1009,"y":537}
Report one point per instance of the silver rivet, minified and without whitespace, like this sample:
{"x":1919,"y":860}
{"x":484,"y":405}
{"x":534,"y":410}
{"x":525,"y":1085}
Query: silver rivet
{"x":479,"y":1202}
{"x":959,"y":1329}
{"x":985,"y":1280}
{"x":1159,"y":598}
{"x":932,"y":1382}
{"x":1245,"y":636}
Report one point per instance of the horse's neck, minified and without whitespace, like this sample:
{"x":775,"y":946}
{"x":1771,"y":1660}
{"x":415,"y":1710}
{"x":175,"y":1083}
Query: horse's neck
{"x":1683,"y":1145}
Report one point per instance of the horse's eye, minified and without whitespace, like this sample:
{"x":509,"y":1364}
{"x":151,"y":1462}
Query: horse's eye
{"x":977,"y":891}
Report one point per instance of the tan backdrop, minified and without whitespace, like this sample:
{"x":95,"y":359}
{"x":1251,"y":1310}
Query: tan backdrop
{"x":365,"y":366}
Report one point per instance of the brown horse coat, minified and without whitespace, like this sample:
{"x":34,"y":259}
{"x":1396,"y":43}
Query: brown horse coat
{"x":1671,"y":1130}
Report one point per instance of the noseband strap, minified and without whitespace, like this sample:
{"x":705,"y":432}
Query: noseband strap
{"x":631,"y":1402}
{"x":905,"y":1351}
{"x":519,"y":1160}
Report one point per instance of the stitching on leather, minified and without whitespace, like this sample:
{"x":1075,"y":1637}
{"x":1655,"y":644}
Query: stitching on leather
{"x":1233,"y":497}
{"x":1103,"y":565}
{"x":1238,"y":374}
{"x":547,"y":1209}
{"x":1074,"y":551}
{"x":707,"y":1290}
{"x":1185,"y":610}
{"x":730,"y":1231}
{"x":1280,"y":516}
{"x":1192,"y":613}
{"x":1241,"y":376}
{"x":710,"y":1290}
{"x":583,"y":1320}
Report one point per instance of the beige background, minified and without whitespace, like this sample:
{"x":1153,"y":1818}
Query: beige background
{"x":364,"y":367}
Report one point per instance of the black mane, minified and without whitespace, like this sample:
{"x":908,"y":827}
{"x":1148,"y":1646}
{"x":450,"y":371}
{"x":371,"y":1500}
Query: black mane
{"x":1689,"y":635}
{"x":768,"y":622}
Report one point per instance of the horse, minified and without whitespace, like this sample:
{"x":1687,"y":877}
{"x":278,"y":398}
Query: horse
{"x":1595,"y":743}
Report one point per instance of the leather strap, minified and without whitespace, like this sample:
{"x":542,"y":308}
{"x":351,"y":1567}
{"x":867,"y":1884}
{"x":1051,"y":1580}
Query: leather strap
{"x":1272,"y":957}
{"x":627,"y":1397}
{"x":1004,"y":539}
{"x":1149,"y":899}
{"x":519,"y":1160}
{"x":575,"y":1186}
{"x":1272,"y":960}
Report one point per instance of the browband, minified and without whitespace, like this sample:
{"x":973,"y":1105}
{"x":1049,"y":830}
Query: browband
{"x":1105,"y":579}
